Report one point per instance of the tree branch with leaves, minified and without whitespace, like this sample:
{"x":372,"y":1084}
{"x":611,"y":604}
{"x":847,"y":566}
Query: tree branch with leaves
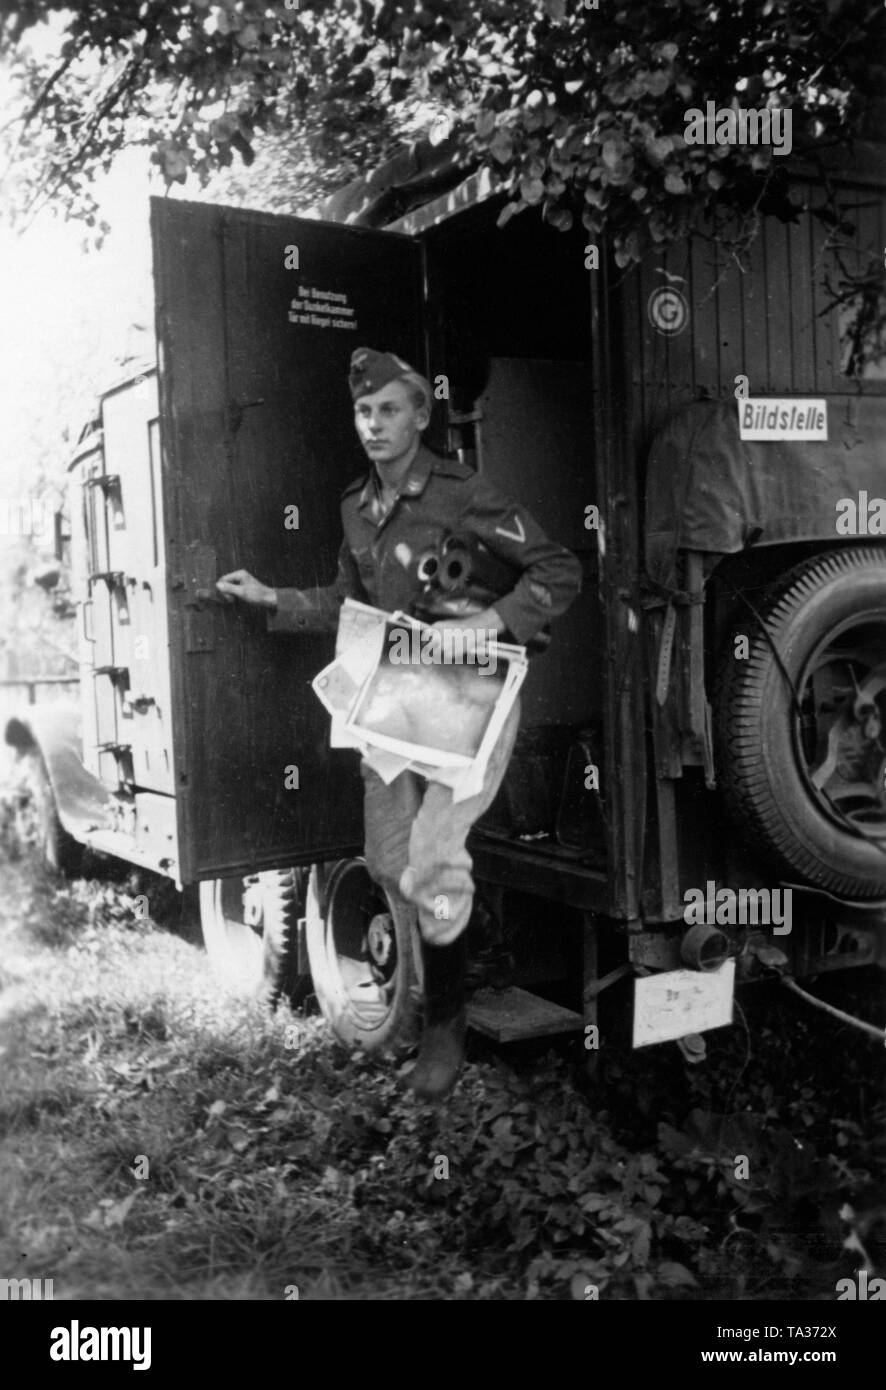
{"x":577,"y":111}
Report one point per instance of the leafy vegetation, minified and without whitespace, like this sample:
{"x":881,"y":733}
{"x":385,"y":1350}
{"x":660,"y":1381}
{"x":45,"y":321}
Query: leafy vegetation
{"x":577,"y":107}
{"x":276,"y":1161}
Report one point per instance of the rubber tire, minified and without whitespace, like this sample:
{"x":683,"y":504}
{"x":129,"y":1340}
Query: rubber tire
{"x":61,"y":853}
{"x":284,"y":903}
{"x":265,"y":967}
{"x":757,"y":759}
{"x":401,"y":1025}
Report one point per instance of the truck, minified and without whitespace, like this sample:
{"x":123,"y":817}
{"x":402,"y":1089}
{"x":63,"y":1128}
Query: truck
{"x":697,"y":799}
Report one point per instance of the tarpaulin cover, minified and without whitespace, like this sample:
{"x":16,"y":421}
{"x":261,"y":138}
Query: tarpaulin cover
{"x":412,"y":177}
{"x":708,"y":490}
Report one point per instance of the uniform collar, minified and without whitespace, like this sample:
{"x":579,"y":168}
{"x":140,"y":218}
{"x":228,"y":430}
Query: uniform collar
{"x":412,"y":485}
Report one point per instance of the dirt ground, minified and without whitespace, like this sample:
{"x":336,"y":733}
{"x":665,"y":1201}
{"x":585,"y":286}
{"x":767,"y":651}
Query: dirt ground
{"x":164,"y":1140}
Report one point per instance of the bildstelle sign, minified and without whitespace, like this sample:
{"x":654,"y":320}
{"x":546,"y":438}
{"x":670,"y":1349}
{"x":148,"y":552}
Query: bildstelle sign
{"x":782,"y":417}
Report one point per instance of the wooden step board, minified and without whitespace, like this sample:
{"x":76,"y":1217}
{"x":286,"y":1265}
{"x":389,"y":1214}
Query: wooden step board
{"x":510,"y":1015}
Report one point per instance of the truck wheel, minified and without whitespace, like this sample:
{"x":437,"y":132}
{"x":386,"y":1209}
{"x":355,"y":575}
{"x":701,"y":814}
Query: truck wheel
{"x":365,"y":957}
{"x":806,"y":777}
{"x":250,"y":929}
{"x":61,"y":852}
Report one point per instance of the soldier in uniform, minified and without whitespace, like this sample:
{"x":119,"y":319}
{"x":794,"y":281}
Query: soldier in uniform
{"x":414,"y":833}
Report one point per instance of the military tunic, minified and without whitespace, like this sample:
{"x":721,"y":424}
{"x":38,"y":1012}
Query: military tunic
{"x":379,"y":553}
{"x":415,"y":833}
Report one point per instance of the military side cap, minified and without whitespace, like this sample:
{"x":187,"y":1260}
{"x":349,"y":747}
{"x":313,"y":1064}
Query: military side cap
{"x":371,"y":370}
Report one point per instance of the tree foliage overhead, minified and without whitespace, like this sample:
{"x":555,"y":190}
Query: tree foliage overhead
{"x":578,"y":110}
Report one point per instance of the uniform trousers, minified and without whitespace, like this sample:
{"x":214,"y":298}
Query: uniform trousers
{"x":415,"y":838}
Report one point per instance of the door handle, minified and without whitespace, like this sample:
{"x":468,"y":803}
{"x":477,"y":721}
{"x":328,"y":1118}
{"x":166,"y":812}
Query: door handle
{"x":87,"y":636}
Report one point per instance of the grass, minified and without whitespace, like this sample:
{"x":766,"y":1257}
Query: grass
{"x":122,"y":1055}
{"x":160,"y":1140}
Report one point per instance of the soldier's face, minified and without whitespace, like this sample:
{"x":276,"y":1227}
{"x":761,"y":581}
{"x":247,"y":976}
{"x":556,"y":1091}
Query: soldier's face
{"x":389,"y":423}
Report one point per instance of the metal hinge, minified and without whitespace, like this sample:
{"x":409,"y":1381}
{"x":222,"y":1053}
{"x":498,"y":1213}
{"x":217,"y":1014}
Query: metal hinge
{"x":106,"y":481}
{"x":194,"y":574}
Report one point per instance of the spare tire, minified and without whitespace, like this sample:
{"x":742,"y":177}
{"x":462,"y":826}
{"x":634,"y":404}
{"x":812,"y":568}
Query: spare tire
{"x":800,"y":724}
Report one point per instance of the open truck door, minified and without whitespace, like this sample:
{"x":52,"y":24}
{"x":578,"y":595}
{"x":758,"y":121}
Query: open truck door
{"x":257,"y":317}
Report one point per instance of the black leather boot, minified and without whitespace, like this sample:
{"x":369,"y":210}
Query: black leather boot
{"x":442,"y":1050}
{"x":490,"y":964}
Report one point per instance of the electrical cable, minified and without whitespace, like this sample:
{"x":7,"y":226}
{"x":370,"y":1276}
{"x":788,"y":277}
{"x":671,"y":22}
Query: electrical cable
{"x":859,"y":1023}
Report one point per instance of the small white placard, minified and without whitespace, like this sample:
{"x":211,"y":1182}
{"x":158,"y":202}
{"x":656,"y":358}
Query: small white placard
{"x":678,"y":1002}
{"x":783,"y":417}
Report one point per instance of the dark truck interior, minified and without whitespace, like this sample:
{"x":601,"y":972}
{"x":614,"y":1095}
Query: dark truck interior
{"x":510,"y":325}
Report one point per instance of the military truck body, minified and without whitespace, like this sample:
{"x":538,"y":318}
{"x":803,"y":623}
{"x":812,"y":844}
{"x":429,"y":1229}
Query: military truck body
{"x":608,"y":401}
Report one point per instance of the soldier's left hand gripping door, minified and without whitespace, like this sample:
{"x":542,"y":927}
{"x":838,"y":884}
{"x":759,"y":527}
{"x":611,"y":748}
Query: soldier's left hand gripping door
{"x":257,"y":317}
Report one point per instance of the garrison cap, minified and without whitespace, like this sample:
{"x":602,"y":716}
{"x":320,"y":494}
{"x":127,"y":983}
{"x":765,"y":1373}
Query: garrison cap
{"x":371,"y":370}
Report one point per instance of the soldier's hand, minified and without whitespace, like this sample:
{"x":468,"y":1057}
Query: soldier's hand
{"x":244,"y":586}
{"x":487,"y":621}
{"x":484,"y":628}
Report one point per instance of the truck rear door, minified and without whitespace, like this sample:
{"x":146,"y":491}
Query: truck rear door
{"x":257,"y":317}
